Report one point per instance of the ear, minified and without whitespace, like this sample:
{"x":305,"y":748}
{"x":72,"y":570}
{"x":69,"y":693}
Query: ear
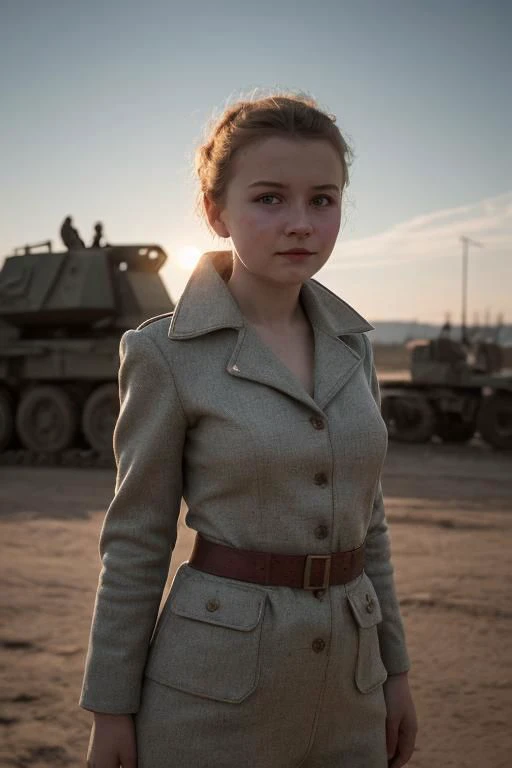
{"x":214,"y":216}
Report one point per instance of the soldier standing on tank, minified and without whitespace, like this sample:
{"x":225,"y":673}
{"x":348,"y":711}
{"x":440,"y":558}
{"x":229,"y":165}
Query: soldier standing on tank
{"x":98,"y":236}
{"x":70,"y":236}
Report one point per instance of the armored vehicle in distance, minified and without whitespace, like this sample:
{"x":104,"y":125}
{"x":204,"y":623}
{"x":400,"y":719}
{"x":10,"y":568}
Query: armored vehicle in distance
{"x":455,"y":391}
{"x":61,"y":319}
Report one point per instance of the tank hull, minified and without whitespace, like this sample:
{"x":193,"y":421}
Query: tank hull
{"x":454,"y":413}
{"x":36,"y":375}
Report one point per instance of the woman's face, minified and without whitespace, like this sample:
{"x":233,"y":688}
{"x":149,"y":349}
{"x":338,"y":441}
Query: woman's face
{"x":284,"y":195}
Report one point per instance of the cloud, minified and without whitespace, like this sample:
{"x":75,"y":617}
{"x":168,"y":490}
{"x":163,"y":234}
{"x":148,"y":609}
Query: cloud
{"x":431,"y":236}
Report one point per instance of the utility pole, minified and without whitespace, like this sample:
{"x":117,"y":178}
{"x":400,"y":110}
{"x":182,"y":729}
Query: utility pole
{"x":466,"y":242}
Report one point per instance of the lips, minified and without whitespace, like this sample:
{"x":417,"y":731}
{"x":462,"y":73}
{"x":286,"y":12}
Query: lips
{"x":296,"y":252}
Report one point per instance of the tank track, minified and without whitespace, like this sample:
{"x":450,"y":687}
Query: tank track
{"x":73,"y":458}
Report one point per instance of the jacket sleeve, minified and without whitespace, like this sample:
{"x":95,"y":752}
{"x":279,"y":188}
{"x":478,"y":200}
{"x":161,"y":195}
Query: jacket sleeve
{"x":378,"y":564}
{"x":140,"y":527}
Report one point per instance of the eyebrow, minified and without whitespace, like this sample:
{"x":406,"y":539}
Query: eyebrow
{"x":278,"y":185}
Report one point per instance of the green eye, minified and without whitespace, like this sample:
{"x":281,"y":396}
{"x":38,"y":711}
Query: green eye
{"x":325,"y":201}
{"x":266,"y":198}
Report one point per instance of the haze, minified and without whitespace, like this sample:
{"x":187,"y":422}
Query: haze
{"x":104,"y":102}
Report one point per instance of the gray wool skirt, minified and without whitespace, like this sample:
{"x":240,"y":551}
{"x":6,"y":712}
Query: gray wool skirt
{"x":266,"y":677}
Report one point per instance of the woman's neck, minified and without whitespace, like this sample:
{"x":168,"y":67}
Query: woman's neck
{"x":265,"y":304}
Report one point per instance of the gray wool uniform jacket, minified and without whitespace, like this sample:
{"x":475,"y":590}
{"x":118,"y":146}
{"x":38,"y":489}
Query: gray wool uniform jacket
{"x":208,"y":412}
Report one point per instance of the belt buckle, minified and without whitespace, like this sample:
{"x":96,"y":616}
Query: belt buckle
{"x":307,"y":571}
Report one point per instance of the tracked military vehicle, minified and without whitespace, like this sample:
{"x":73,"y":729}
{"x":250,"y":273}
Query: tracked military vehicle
{"x":455,"y":391}
{"x":61,"y":319}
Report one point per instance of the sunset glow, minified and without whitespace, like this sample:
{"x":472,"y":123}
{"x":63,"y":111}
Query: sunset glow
{"x":187,"y":256}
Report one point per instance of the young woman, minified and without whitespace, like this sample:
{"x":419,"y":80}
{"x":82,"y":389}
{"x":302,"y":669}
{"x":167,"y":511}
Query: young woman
{"x":281,"y":643}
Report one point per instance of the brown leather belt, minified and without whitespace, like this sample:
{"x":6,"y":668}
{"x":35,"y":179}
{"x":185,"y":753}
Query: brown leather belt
{"x":274,"y":570}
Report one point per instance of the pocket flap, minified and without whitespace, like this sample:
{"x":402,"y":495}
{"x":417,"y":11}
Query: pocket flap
{"x":213,"y":601}
{"x":196,"y":650}
{"x":365,"y":603}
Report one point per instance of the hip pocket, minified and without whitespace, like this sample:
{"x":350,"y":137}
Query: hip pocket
{"x":370,"y":671}
{"x":208,"y":637}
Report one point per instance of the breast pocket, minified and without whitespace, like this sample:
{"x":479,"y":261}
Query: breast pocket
{"x":208,"y":637}
{"x":370,"y":671}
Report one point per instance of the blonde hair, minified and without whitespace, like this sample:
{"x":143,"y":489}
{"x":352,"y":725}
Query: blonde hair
{"x":248,"y":121}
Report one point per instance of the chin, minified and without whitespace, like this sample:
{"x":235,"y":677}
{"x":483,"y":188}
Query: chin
{"x":305,"y":269}
{"x":294,"y":276}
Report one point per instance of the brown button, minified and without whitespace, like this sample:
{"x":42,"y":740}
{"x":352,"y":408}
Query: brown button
{"x":212,"y":605}
{"x":321,"y":532}
{"x":320,"y":478}
{"x":318,"y":645}
{"x":317,"y":422}
{"x":370,"y":603}
{"x":319,"y":593}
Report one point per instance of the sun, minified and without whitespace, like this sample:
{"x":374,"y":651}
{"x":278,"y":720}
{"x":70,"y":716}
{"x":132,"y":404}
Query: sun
{"x":187,"y":256}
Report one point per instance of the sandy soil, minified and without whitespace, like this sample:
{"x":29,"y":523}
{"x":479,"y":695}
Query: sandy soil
{"x":450,"y":513}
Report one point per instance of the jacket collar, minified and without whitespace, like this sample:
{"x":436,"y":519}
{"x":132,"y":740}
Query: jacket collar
{"x":207,"y":305}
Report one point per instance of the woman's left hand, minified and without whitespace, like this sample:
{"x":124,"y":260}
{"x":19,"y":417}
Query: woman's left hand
{"x":401,"y":722}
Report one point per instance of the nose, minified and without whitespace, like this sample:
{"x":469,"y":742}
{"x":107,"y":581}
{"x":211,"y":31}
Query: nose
{"x":299,"y":223}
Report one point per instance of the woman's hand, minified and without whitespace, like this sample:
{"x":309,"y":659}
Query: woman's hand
{"x":112,"y":742}
{"x":401,"y":722}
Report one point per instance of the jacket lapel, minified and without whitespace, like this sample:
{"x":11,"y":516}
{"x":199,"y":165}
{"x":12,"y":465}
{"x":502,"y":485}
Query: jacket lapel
{"x":252,"y":359}
{"x":335,"y":364}
{"x":331,"y":318}
{"x":207,"y":305}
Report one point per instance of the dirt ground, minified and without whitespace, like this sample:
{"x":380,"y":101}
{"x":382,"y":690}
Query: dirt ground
{"x":450,"y":514}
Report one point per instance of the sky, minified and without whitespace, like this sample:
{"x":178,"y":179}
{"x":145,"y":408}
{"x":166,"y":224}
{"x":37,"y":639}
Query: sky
{"x":102,"y":105}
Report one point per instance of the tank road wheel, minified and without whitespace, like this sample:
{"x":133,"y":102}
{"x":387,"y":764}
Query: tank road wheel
{"x":46,"y":419}
{"x":495,"y":420}
{"x":452,"y":429}
{"x":409,"y":418}
{"x":6,"y":419}
{"x":99,"y":417}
